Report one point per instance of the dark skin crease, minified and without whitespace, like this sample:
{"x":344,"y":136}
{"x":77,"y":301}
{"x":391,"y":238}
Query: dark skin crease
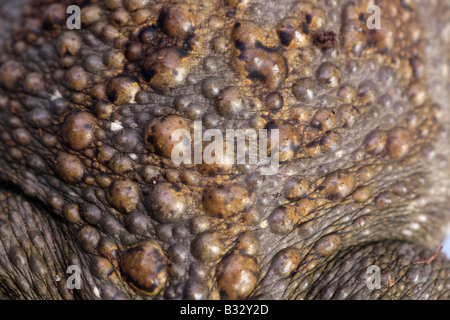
{"x":86,"y":123}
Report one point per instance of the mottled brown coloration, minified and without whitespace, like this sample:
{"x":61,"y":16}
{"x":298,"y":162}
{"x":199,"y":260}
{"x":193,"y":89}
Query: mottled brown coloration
{"x":144,"y":266}
{"x":87,"y":120}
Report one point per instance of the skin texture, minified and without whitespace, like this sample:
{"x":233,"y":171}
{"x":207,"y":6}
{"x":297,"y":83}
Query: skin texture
{"x":86,"y":118}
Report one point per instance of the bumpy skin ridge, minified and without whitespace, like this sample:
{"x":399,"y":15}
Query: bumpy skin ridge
{"x":86,"y":122}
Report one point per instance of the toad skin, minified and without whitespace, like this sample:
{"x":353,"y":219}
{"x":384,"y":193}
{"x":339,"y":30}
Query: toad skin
{"x":86,"y":179}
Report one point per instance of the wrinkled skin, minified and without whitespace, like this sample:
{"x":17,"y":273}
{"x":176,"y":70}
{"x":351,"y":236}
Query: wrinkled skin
{"x":86,"y":118}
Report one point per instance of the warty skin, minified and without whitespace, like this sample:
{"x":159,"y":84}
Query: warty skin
{"x":86,"y":118}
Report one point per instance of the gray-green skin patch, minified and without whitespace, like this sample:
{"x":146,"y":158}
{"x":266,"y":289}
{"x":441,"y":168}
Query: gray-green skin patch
{"x":86,"y":123}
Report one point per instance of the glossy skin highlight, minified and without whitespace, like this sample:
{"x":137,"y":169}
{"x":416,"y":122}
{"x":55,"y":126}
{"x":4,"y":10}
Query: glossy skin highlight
{"x":86,"y":121}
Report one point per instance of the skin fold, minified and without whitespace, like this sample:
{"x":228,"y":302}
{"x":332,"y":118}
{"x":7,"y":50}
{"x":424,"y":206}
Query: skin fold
{"x":86,"y":124}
